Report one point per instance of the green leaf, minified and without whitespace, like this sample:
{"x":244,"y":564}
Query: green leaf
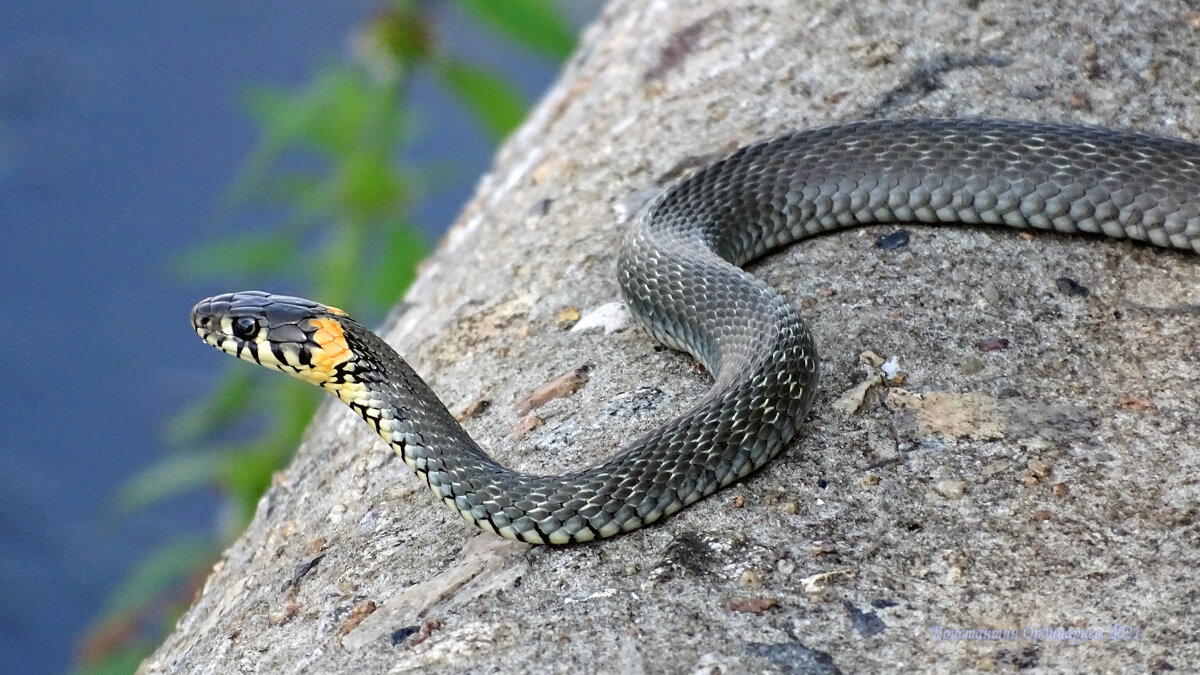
{"x":536,"y":24}
{"x":246,"y":474}
{"x":369,"y":187}
{"x":238,"y":255}
{"x":491,"y":99}
{"x":158,"y":572}
{"x":168,"y":477}
{"x":403,"y":249}
{"x":342,"y":113}
{"x":229,"y":402}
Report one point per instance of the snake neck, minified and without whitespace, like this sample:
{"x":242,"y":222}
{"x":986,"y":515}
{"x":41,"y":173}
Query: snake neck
{"x":619,"y":494}
{"x":389,"y":395}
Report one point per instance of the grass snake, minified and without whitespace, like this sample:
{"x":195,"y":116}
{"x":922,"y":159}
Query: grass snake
{"x":679,"y":273}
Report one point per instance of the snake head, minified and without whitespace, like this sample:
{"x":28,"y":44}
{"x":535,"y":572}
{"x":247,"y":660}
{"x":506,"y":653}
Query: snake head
{"x":299,"y":337}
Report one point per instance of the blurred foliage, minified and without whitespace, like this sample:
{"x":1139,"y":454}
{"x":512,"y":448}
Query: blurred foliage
{"x":331,"y":159}
{"x":533,"y":23}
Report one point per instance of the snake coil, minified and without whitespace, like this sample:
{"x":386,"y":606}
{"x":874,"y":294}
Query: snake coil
{"x":679,"y":273}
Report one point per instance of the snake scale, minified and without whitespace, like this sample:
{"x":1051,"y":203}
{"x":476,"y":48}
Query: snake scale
{"x":679,"y":273}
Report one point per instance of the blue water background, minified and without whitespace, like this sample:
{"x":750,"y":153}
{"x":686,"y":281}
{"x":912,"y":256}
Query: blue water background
{"x":120,"y":131}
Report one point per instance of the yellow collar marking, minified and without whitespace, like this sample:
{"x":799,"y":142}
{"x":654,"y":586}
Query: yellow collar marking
{"x":333,"y":351}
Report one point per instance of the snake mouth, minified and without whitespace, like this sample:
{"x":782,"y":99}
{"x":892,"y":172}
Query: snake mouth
{"x":216,"y":321}
{"x":217,"y":341}
{"x":230,"y":345}
{"x":206,"y":315}
{"x":205,"y":323}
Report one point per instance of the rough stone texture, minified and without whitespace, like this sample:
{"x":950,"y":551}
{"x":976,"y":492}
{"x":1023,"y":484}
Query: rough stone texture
{"x":1051,"y":482}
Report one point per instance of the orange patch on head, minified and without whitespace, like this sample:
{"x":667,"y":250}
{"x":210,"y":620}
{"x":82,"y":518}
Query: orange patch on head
{"x":333,"y":349}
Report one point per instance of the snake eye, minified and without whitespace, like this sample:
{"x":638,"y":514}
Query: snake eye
{"x":245,"y":328}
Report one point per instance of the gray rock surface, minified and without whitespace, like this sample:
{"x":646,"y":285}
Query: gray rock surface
{"x":1030,"y":461}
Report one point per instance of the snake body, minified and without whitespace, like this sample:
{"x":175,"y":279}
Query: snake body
{"x":679,"y":273}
